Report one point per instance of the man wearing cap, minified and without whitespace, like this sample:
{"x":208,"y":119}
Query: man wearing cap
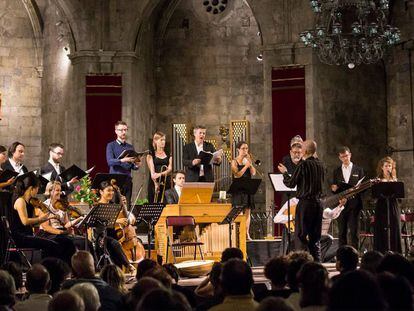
{"x":54,"y":168}
{"x":125,"y":165}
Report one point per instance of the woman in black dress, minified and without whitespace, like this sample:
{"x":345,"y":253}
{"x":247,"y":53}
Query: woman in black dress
{"x":386,"y":171}
{"x":25,"y":216}
{"x":242,"y":167}
{"x":160,"y":166}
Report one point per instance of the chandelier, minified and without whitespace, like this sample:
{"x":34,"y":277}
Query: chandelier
{"x":350,"y":32}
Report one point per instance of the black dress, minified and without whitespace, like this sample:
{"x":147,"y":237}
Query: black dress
{"x":380,"y":226}
{"x":158,"y":164}
{"x":241,"y":198}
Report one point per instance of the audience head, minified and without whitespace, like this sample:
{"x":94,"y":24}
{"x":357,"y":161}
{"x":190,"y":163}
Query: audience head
{"x":37,"y":280}
{"x":121,"y":129}
{"x":230,"y":253}
{"x":296,"y":261}
{"x":3,"y":154}
{"x":370,"y":261}
{"x":356,"y":290}
{"x":83,"y":265}
{"x":16,"y":271}
{"x":215,"y":274}
{"x":274,"y":303}
{"x":66,"y":300}
{"x":172,"y":270}
{"x":236,"y":277}
{"x":16,"y":151}
{"x":144,"y":266}
{"x":313,"y":281}
{"x":89,"y":295}
{"x":58,"y":272}
{"x":7,"y":289}
{"x":397,"y":291}
{"x":397,"y":265}
{"x":276,"y":271}
{"x":178,"y":178}
{"x":163,"y":299}
{"x":346,"y":258}
{"x":161,"y":275}
{"x":140,"y":289}
{"x":114,"y":276}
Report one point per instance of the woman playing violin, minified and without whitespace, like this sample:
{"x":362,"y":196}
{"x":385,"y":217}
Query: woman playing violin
{"x":25,"y":216}
{"x":106,"y":195}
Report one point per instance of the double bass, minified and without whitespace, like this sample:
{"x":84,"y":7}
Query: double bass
{"x":126,"y":235}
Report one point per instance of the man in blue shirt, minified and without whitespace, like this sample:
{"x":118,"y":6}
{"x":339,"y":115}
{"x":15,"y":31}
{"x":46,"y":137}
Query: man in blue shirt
{"x":124,"y":165}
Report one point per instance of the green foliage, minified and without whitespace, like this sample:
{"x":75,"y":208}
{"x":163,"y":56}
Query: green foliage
{"x":83,"y":191}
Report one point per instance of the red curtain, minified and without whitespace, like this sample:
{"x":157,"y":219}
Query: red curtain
{"x":288,"y":111}
{"x":103,"y":109}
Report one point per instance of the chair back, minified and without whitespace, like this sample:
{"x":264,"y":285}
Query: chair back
{"x":180,"y":221}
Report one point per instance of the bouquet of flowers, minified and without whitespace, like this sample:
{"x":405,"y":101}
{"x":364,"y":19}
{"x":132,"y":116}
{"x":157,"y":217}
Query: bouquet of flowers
{"x":83,"y":191}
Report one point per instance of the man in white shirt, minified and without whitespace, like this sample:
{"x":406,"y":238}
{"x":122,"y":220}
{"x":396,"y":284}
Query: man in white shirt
{"x":16,"y":155}
{"x":344,"y":177}
{"x":172,"y":196}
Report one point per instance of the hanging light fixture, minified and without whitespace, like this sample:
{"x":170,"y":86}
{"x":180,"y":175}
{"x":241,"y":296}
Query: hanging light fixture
{"x":350,"y":32}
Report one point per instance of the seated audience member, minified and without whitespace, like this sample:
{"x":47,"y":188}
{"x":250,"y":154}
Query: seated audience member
{"x":313,"y":281}
{"x":84,"y":271}
{"x":217,"y":295}
{"x":89,"y":295}
{"x":139,"y":290}
{"x":66,"y":300}
{"x":143,"y":266}
{"x":58,"y":270}
{"x":397,"y":291}
{"x":370,"y":261}
{"x":172,"y":270}
{"x":161,"y":275}
{"x":163,"y":299}
{"x":37,"y":285}
{"x":231,"y":253}
{"x":356,"y":290}
{"x":7,"y":291}
{"x":274,"y":303}
{"x":172,"y":196}
{"x":276,"y":271}
{"x":397,"y":265}
{"x":237,"y":283}
{"x":114,"y":276}
{"x":346,"y":260}
{"x":296,"y":261}
{"x":16,"y":272}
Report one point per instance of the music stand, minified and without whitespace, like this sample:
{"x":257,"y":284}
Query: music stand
{"x":104,"y":216}
{"x":388,"y":191}
{"x":230,"y":218}
{"x":149,"y":213}
{"x":279,"y":186}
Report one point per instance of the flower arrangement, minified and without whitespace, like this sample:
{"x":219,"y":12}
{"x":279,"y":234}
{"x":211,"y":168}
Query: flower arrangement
{"x":83,"y":192}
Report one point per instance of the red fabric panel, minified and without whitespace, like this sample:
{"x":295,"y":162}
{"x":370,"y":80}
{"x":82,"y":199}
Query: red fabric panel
{"x":103,"y":109}
{"x":288,"y":112}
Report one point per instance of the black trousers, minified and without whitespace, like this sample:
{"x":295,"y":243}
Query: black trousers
{"x":127,"y":189}
{"x":348,"y":220}
{"x":308,"y":226}
{"x":115,"y":250}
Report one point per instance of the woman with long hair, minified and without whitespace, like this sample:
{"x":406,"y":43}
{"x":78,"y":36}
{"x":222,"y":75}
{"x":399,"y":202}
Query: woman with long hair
{"x":242,"y":167}
{"x":160,"y":165}
{"x":112,"y":275}
{"x":386,"y":171}
{"x":25,"y":216}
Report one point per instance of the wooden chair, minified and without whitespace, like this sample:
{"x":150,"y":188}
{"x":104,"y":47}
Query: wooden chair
{"x":366,"y":232}
{"x":182,"y":221}
{"x":407,"y":231}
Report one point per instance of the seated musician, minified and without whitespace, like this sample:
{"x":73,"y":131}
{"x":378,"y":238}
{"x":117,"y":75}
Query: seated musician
{"x":106,"y":195}
{"x":3,"y":159}
{"x":26,"y":214}
{"x":172,"y":196}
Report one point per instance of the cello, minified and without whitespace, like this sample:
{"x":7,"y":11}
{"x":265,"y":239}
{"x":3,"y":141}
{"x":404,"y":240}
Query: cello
{"x":126,"y":235}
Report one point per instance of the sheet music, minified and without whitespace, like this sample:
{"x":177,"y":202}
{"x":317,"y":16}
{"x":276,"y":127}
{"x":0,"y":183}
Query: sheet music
{"x":216,"y":155}
{"x":278,"y":185}
{"x":48,"y":176}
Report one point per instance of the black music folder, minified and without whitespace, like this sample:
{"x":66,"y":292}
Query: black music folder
{"x":6,"y":175}
{"x":73,"y":171}
{"x":205,"y":157}
{"x":132,"y":154}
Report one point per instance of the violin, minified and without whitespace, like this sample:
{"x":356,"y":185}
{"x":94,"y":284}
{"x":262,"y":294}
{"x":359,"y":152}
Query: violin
{"x":40,"y":205}
{"x":64,"y":205}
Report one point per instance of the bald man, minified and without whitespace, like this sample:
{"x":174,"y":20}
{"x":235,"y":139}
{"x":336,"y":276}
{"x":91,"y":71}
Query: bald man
{"x":307,"y":177}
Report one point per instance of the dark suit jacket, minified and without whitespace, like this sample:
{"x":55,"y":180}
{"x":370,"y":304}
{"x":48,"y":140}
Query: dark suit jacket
{"x":50,"y":168}
{"x":171,"y":196}
{"x":7,"y":166}
{"x":356,"y":174}
{"x":192,"y":172}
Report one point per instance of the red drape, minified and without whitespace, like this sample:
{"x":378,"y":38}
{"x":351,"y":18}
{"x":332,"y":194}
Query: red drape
{"x":288,"y":111}
{"x":103,"y":109}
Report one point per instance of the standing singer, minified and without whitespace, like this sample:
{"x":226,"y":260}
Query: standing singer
{"x":307,"y":177}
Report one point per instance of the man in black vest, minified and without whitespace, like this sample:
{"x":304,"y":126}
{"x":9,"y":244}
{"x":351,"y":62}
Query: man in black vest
{"x":195,"y":171}
{"x":344,"y":176}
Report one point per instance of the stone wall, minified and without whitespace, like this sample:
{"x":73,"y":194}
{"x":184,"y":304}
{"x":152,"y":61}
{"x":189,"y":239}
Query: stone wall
{"x":20,"y":83}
